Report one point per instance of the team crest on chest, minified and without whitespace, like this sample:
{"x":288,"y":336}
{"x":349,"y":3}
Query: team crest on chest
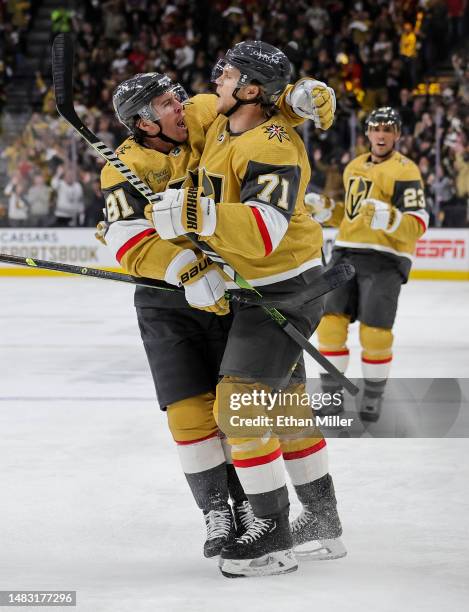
{"x":277,"y":131}
{"x":358,"y":189}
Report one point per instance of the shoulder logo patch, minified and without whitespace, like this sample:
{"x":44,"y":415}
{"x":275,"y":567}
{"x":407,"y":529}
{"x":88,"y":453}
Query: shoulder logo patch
{"x":276,"y":131}
{"x":121,"y":150}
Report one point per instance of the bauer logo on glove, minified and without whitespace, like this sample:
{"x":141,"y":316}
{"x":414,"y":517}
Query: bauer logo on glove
{"x":181,"y":211}
{"x":195,"y":270}
{"x":203,"y":282}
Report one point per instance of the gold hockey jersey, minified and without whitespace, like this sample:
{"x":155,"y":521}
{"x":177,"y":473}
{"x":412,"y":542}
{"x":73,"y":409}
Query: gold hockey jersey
{"x":396,"y":181}
{"x":131,"y":238}
{"x":258,"y":179}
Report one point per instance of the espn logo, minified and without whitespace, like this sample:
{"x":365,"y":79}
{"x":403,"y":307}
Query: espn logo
{"x":448,"y":249}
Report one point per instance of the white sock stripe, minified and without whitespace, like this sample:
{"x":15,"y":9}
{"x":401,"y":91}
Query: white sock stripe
{"x":376,"y":370}
{"x":307,"y":469}
{"x":340,"y":362}
{"x":201,"y":456}
{"x":262,"y":478}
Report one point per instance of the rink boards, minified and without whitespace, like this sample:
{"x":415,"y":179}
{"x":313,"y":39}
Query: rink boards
{"x":442,"y":254}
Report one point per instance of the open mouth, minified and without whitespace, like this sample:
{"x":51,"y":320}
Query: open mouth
{"x":181,"y":124}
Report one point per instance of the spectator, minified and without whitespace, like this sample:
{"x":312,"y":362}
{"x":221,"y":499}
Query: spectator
{"x":408,"y":52}
{"x":39,"y":199}
{"x":17,"y":204}
{"x":69,"y":206}
{"x":94,"y":203}
{"x":456,"y":10}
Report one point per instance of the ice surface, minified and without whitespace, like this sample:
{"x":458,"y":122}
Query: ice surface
{"x":93,"y":499}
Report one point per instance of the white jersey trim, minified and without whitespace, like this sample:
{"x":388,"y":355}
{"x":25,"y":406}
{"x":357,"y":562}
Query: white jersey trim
{"x":421,"y":214}
{"x":275,"y":222}
{"x":120,"y":232}
{"x":281,"y":276}
{"x":374,"y":247}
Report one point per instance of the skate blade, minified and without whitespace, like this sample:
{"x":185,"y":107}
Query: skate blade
{"x":320,"y":550}
{"x":279,"y":562}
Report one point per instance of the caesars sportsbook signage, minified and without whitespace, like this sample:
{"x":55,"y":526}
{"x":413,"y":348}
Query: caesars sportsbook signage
{"x":441,"y":253}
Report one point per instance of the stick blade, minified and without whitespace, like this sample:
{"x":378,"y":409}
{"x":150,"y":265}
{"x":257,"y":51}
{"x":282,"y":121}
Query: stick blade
{"x":62,"y":71}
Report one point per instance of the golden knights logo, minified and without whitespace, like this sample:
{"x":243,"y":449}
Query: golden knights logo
{"x":212,"y":185}
{"x":358,"y":189}
{"x":276,"y":131}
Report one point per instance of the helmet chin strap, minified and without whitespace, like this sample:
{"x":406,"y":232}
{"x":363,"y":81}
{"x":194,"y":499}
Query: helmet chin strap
{"x":163,"y":136}
{"x":238,"y":103}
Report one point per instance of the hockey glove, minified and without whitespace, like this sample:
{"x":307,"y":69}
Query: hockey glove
{"x":203,"y":282}
{"x":380,"y":215}
{"x":320,"y":206}
{"x":100,"y":233}
{"x":181,"y":211}
{"x":313,"y":100}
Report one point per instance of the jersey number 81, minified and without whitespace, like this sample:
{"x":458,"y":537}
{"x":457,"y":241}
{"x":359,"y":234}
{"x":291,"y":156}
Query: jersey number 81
{"x":117,"y":206}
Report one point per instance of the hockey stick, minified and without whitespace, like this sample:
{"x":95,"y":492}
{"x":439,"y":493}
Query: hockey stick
{"x":329,"y":280}
{"x":62,"y":72}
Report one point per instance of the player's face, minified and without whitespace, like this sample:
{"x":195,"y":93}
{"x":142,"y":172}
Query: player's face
{"x":171,"y":116}
{"x":383,"y":139}
{"x":226,"y":83}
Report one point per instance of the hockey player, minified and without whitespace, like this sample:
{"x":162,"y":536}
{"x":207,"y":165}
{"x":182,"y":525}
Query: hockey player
{"x":383,"y":216}
{"x":184,"y":345}
{"x":255,"y":168}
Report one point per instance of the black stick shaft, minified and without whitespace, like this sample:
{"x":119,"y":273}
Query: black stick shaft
{"x":29,"y":262}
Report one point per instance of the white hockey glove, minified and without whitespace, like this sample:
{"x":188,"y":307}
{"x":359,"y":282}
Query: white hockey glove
{"x":313,"y":100}
{"x":203,"y":282}
{"x":380,"y":215}
{"x":181,"y":211}
{"x":320,"y":206}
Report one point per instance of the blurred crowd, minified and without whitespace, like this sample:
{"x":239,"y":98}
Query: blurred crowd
{"x":15,"y":19}
{"x":372,"y":53}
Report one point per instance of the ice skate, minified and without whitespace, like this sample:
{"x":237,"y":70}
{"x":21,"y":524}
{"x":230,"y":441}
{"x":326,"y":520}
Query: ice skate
{"x":370,"y":408}
{"x":243,"y":516}
{"x":265,"y":549}
{"x":220,"y":528}
{"x":316,"y":535}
